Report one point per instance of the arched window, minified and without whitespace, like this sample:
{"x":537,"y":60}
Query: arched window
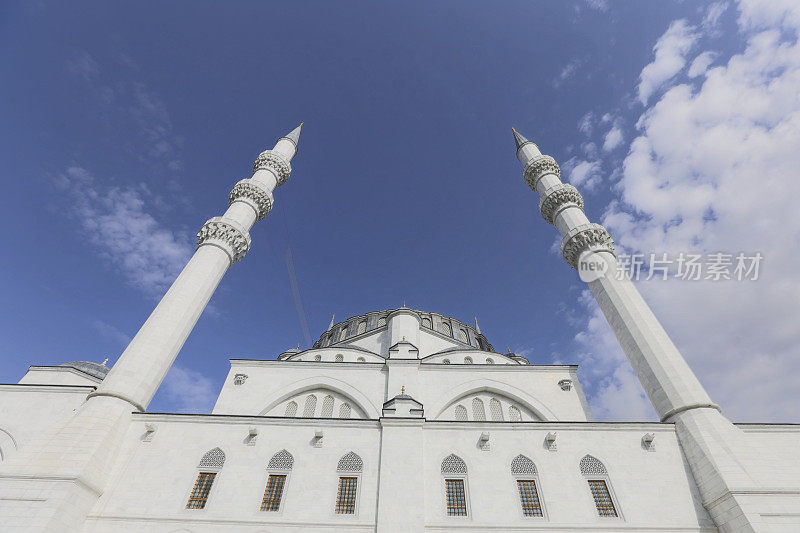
{"x":281,"y":463}
{"x":426,"y":322}
{"x":599,"y":485}
{"x":513,"y":414}
{"x":311,"y":406}
{"x":291,"y":409}
{"x":489,"y":361}
{"x":461,"y":413}
{"x":446,"y":329}
{"x":381,"y":321}
{"x":468,"y":360}
{"x":478,"y":412}
{"x":318,"y":357}
{"x":351,"y":466}
{"x":523,"y":469}
{"x":446,"y":361}
{"x":339,"y":358}
{"x":454,"y":472}
{"x":362,"y":327}
{"x":209,"y":466}
{"x":343,"y":334}
{"x":361,"y":360}
{"x":496,"y":408}
{"x":344,"y":410}
{"x":462,"y":335}
{"x":327,"y":407}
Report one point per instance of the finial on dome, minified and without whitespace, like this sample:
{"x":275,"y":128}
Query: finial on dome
{"x":298,"y":345}
{"x":403,"y":389}
{"x":404,"y":304}
{"x":104,"y":361}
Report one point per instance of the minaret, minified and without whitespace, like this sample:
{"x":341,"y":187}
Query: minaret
{"x":66,"y":470}
{"x":221,"y":242}
{"x":723,"y":459}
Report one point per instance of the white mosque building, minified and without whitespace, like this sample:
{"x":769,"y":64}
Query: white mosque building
{"x":395,"y":420}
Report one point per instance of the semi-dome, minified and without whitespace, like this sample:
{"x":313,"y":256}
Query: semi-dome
{"x":89,"y":367}
{"x":452,"y":329}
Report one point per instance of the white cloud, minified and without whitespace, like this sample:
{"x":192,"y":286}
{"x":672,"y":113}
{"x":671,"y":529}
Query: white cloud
{"x":701,"y":63}
{"x":567,"y":72}
{"x":729,"y":148}
{"x":599,"y":5}
{"x":582,"y":172}
{"x":189,"y":391}
{"x":116,"y":222}
{"x":613,"y":138}
{"x":585,"y":123}
{"x":670,"y":58}
{"x":711,"y":20}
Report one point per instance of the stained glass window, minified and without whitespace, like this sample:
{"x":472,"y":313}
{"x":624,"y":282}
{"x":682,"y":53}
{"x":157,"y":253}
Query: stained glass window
{"x":346,"y":496}
{"x":202,"y":487}
{"x":273,"y":493}
{"x":602,"y":498}
{"x":529,"y":497}
{"x":456,"y":500}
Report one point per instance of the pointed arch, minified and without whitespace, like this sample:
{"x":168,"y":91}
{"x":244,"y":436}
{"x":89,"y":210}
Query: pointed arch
{"x":522,"y":464}
{"x":513,"y":414}
{"x":453,"y":464}
{"x":283,"y":460}
{"x":515,"y":394}
{"x":461,"y":413}
{"x":496,"y":409}
{"x":350,"y":462}
{"x":327,"y":407}
{"x":591,"y":465}
{"x":478,"y":411}
{"x":357,"y":399}
{"x":311,"y":406}
{"x":344,"y":410}
{"x":213,"y":458}
{"x":291,"y":409}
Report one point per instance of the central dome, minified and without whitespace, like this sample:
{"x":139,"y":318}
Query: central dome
{"x":455,"y":331}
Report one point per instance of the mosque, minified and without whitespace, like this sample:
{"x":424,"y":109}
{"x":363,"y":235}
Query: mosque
{"x":395,"y":420}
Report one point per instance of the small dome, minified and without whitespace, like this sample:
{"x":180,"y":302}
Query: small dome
{"x":88,"y":367}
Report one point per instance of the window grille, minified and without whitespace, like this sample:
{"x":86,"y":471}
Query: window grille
{"x":592,"y":466}
{"x":361,"y":360}
{"x":602,"y":498}
{"x":327,"y":407}
{"x":362,"y":327}
{"x":446,"y":361}
{"x":453,"y":464}
{"x":346,"y":495}
{"x":343,"y":334}
{"x":344,"y":410}
{"x":426,"y":323}
{"x":339,"y":358}
{"x":461,"y":413}
{"x":468,"y":360}
{"x":513,"y":414}
{"x":462,"y":335}
{"x":273,"y":493}
{"x":291,"y":409}
{"x":199,"y":496}
{"x":446,"y":329}
{"x":489,"y":361}
{"x":522,"y":465}
{"x":212,"y":459}
{"x":529,"y":498}
{"x":496,"y":408}
{"x":318,"y":357}
{"x":282,"y":460}
{"x":456,"y":499}
{"x":311,"y":406}
{"x":478,"y":412}
{"x":382,"y":321}
{"x":350,"y":462}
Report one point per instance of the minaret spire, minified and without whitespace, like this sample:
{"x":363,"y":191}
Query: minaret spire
{"x":719,"y":453}
{"x":80,"y":452}
{"x":332,"y":318}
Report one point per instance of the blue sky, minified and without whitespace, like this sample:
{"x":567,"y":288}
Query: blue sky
{"x":125,"y":126}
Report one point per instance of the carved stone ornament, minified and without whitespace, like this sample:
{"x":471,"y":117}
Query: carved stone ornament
{"x":556,"y":197}
{"x":254,"y":194}
{"x":538,"y":167}
{"x":269,"y":160}
{"x":582,"y":238}
{"x":227,"y":235}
